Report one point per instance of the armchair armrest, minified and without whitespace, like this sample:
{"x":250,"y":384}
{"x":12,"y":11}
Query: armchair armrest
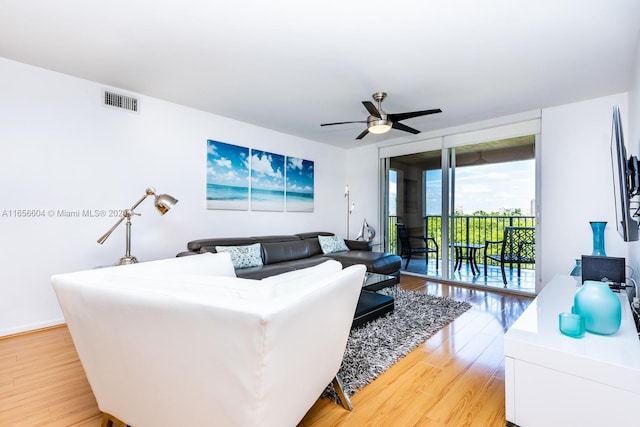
{"x":426,"y":240}
{"x":434,"y":241}
{"x":492,"y":242}
{"x":359,"y":245}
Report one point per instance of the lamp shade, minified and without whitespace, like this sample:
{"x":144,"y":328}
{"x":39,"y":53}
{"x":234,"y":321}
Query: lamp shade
{"x":164,"y":202}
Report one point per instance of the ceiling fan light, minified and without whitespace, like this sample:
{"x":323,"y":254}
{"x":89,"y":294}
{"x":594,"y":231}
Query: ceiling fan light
{"x":379,"y":126}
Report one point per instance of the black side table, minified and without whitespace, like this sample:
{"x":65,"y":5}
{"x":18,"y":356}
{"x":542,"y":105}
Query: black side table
{"x":467,"y":252}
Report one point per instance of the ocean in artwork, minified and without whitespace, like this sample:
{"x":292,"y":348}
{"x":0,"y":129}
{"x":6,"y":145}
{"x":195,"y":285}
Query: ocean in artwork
{"x":227,"y":197}
{"x":299,"y":202}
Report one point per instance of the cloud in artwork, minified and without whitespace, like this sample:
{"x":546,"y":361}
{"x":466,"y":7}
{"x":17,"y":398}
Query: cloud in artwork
{"x":295,"y":163}
{"x":227,"y":164}
{"x":223,"y":163}
{"x":267,"y":170}
{"x":299,"y":175}
{"x":264,"y":164}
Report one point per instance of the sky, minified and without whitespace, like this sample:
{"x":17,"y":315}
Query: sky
{"x":299,"y":175}
{"x":267,"y":170}
{"x":489,"y":188}
{"x":229,"y":164}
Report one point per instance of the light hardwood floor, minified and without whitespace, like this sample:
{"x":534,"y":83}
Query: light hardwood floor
{"x":456,"y":378}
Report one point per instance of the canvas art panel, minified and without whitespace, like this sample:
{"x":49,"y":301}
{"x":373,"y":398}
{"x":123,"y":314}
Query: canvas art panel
{"x":228,"y":176}
{"x":267,"y":181}
{"x":300,"y":185}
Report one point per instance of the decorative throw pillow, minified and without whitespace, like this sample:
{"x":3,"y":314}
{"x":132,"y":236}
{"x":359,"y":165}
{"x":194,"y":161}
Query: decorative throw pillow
{"x":243,"y":256}
{"x":331,"y":244}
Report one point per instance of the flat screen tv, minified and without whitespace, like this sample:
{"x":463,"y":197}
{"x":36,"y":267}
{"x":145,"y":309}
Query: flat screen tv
{"x":625,"y":181}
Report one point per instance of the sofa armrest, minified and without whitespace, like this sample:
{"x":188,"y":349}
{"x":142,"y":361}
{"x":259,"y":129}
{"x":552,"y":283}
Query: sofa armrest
{"x":186,"y":253}
{"x":359,"y":245}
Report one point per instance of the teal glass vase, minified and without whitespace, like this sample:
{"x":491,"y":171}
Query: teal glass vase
{"x":577,"y":270}
{"x":599,"y":306}
{"x":597,"y":227}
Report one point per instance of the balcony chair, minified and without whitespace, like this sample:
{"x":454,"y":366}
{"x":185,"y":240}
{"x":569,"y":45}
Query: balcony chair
{"x":516,"y":247}
{"x":407,"y":249}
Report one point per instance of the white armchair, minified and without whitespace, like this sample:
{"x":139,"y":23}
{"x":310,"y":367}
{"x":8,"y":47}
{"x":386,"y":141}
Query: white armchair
{"x":184,"y":342}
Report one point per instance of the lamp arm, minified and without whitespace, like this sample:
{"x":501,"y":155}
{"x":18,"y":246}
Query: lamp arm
{"x":127,"y":214}
{"x":149,"y":192}
{"x":106,"y":235}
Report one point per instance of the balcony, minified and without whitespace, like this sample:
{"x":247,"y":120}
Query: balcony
{"x":469,"y":229}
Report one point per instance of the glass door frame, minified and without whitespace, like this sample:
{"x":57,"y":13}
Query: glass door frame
{"x":447,"y":144}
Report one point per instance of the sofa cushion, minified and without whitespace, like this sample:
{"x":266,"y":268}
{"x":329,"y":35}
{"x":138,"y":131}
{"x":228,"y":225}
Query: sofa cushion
{"x":209,"y":245}
{"x":314,"y":246}
{"x":377,"y":262}
{"x":313,"y":234}
{"x":280,"y":267}
{"x":331,"y":244}
{"x":262,"y":271}
{"x":276,"y":238}
{"x":359,"y":245}
{"x":285,"y":251}
{"x":243,"y":256}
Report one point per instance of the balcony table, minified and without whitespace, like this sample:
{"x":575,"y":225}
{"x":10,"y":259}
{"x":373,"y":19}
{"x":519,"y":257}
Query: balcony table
{"x":467,"y":252}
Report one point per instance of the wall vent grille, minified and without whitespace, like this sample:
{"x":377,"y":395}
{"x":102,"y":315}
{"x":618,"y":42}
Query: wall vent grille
{"x":117,"y":100}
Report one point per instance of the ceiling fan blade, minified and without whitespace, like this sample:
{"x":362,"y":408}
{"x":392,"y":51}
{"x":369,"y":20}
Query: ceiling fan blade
{"x":363,"y":134}
{"x":342,"y":123}
{"x":371,"y":109}
{"x":402,"y":116}
{"x":405,"y":128}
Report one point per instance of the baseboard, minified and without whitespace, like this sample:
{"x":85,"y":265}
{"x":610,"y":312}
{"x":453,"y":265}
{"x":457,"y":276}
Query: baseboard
{"x":34,"y":327}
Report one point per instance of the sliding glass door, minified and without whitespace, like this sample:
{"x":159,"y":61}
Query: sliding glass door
{"x":456,"y":199}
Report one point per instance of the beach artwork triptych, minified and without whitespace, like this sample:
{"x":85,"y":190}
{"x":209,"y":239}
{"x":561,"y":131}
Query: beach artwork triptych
{"x":240,"y":178}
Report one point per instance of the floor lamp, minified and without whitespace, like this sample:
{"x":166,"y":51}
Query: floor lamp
{"x":350,"y":209}
{"x":163,"y":203}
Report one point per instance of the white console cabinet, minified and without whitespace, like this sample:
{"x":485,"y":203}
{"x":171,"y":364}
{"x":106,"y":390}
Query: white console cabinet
{"x":555,"y":380}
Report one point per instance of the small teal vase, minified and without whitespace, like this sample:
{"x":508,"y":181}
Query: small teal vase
{"x":599,"y":306}
{"x":598,"y":237}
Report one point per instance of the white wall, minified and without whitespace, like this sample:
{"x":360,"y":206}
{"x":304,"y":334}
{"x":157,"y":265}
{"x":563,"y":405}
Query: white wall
{"x":363,"y":176}
{"x":62,"y":150}
{"x":576,"y":182}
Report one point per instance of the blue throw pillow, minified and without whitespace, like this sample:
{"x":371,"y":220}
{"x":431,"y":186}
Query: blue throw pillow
{"x":331,"y":244}
{"x":243,"y":256}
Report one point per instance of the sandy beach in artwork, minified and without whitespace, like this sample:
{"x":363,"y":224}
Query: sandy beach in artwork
{"x":232,"y":205}
{"x":267,"y":205}
{"x":304,"y":206}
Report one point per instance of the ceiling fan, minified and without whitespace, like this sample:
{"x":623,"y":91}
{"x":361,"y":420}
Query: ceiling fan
{"x":380,"y":122}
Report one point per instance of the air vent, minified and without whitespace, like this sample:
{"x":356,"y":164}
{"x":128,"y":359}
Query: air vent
{"x":116,"y":100}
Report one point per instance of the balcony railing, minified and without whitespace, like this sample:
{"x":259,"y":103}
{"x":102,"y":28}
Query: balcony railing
{"x":467,"y":229}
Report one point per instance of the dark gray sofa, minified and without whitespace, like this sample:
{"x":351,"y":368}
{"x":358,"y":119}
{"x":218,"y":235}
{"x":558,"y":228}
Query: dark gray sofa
{"x":282,"y":253}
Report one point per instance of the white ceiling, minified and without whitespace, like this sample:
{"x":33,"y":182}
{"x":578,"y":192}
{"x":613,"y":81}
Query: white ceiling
{"x":290,"y":65}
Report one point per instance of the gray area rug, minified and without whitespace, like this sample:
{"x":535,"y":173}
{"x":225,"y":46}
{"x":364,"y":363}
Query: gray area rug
{"x":375,"y":346}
